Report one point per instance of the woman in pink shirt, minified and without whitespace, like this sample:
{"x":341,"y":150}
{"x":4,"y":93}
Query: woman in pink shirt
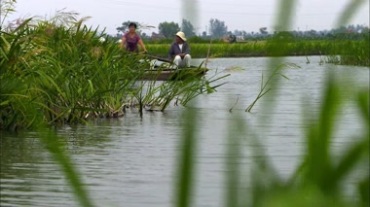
{"x":131,"y":40}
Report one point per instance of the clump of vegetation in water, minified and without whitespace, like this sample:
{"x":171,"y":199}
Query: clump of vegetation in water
{"x":64,"y":71}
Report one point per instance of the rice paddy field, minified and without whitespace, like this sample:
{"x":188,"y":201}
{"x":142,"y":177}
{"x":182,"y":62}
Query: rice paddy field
{"x":355,"y":52}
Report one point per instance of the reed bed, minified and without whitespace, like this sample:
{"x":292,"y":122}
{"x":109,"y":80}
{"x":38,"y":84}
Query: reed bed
{"x":64,"y":72}
{"x":352,"y":54}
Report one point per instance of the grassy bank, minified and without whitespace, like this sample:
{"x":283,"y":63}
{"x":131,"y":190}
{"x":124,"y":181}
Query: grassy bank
{"x":353,"y":52}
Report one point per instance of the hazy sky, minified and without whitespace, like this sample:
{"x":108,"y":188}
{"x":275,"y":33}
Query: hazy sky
{"x":237,"y":14}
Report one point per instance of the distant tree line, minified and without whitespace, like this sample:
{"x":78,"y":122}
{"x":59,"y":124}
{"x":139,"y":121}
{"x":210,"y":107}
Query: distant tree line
{"x":218,"y":30}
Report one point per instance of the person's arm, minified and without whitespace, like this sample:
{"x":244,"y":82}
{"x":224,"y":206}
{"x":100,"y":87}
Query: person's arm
{"x":187,"y":49}
{"x":171,"y":52}
{"x":123,"y":41}
{"x":141,"y":43}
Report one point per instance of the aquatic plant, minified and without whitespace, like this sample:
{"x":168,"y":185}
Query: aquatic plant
{"x":183,"y":88}
{"x":65,"y":72}
{"x":265,"y":85}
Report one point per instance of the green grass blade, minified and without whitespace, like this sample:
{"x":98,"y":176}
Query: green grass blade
{"x":349,"y":11}
{"x":186,"y":160}
{"x":232,"y":162}
{"x":56,"y":149}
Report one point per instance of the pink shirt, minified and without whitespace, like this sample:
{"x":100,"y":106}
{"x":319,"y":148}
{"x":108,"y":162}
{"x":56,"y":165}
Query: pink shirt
{"x":131,"y":42}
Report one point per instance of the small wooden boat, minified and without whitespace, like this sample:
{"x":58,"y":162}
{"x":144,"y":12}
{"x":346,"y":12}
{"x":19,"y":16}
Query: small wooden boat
{"x":165,"y":74}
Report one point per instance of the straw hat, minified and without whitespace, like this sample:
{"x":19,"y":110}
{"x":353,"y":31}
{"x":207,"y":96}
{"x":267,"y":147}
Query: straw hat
{"x":181,"y":35}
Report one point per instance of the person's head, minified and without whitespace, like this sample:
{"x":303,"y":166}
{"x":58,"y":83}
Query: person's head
{"x":132,"y":27}
{"x":180,"y":38}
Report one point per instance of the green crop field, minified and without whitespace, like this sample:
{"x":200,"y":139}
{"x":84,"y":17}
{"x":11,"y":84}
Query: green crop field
{"x":353,"y":52}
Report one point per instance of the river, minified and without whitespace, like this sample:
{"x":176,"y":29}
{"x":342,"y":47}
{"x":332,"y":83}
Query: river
{"x":131,"y":162}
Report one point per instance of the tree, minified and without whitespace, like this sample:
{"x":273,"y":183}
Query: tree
{"x":187,"y":28}
{"x":263,"y":30}
{"x":217,"y":28}
{"x":168,"y":29}
{"x":240,"y":33}
{"x":124,"y":26}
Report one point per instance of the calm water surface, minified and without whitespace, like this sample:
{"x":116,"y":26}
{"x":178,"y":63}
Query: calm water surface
{"x":131,"y":162}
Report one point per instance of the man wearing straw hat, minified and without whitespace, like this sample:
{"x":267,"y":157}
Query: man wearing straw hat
{"x":180,"y":51}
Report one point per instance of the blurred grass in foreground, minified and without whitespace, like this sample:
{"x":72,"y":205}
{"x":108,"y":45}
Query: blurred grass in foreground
{"x":319,"y":179}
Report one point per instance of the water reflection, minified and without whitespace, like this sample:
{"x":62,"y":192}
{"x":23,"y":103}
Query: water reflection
{"x":19,"y":156}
